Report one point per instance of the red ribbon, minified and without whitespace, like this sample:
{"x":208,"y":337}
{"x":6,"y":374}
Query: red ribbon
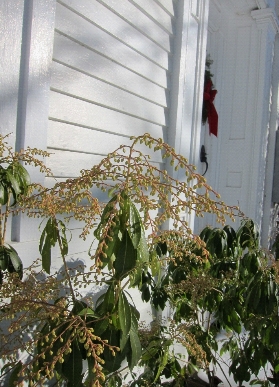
{"x":212,"y":115}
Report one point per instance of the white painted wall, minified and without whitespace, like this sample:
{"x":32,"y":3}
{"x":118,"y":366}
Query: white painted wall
{"x":130,"y":67}
{"x":85,"y":75}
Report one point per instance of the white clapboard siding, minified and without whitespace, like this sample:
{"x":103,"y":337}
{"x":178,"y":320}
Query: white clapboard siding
{"x":80,"y":29}
{"x":69,"y":164}
{"x":67,"y":137}
{"x":110,"y":77}
{"x":104,"y":19}
{"x":100,"y":67}
{"x":155,"y":12}
{"x":77,"y":111}
{"x":90,"y":89}
{"x":167,"y":5}
{"x":140,"y":21}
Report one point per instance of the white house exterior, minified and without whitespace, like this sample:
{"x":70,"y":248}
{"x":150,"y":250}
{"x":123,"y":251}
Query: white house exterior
{"x":78,"y":78}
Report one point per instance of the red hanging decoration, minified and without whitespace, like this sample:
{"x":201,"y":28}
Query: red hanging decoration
{"x":211,"y":113}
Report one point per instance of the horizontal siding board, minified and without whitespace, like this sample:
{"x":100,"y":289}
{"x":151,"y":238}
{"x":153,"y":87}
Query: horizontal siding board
{"x":109,"y":22}
{"x":71,"y":137}
{"x":167,"y":5}
{"x":120,"y":34}
{"x":104,"y":69}
{"x":82,"y":113}
{"x":83,"y":86}
{"x":69,"y":164}
{"x":114,"y":51}
{"x":139,"y":20}
{"x":155,"y":12}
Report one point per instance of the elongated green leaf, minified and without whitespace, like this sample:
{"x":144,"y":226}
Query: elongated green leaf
{"x":108,"y":304}
{"x":46,"y":256}
{"x":124,"y":211}
{"x":124,"y":312}
{"x":8,"y":365}
{"x":16,"y":263}
{"x":100,"y":326}
{"x":163,"y":363}
{"x":105,"y":214}
{"x":112,"y":242}
{"x":51,"y":229}
{"x":72,"y":368}
{"x":143,"y":253}
{"x":48,"y":239}
{"x":63,"y":237}
{"x":91,"y":374}
{"x":112,"y":363}
{"x":136,"y":350}
{"x":24,"y":176}
{"x":136,"y":227}
{"x":86,"y":312}
{"x":3,"y":194}
{"x":205,"y":234}
{"x":14,"y":375}
{"x":126,"y":256}
{"x":13,"y":181}
{"x":78,"y":307}
{"x":4,"y":258}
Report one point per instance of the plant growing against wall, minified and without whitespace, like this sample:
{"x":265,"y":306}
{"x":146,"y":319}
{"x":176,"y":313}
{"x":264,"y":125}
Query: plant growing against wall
{"x":58,"y":328}
{"x":14,"y":183}
{"x":236,"y":291}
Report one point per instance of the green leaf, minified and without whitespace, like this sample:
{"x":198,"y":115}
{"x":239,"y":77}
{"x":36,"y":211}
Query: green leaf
{"x":61,"y":229}
{"x":23,"y":175}
{"x":48,"y":239}
{"x":124,"y":313}
{"x":112,"y":363}
{"x":4,"y":258}
{"x":14,"y":375}
{"x":100,"y":326}
{"x":3,"y":194}
{"x":86,"y":312}
{"x":112,"y":242}
{"x":163,"y":363}
{"x":143,"y":253}
{"x":22,"y":178}
{"x":91,"y":364}
{"x":104,"y":216}
{"x":51,"y":229}
{"x":135,"y":355}
{"x":72,"y":367}
{"x":13,"y":182}
{"x":135,"y":229}
{"x":78,"y":307}
{"x":108,"y":304}
{"x":15,"y":262}
{"x":205,"y":234}
{"x":8,"y":365}
{"x":126,"y":257}
{"x":46,"y":256}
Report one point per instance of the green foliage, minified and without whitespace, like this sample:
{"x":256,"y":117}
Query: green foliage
{"x":235,"y":291}
{"x":219,"y":280}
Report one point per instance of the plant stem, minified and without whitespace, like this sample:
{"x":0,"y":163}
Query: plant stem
{"x":65,"y":265}
{"x":222,"y":371}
